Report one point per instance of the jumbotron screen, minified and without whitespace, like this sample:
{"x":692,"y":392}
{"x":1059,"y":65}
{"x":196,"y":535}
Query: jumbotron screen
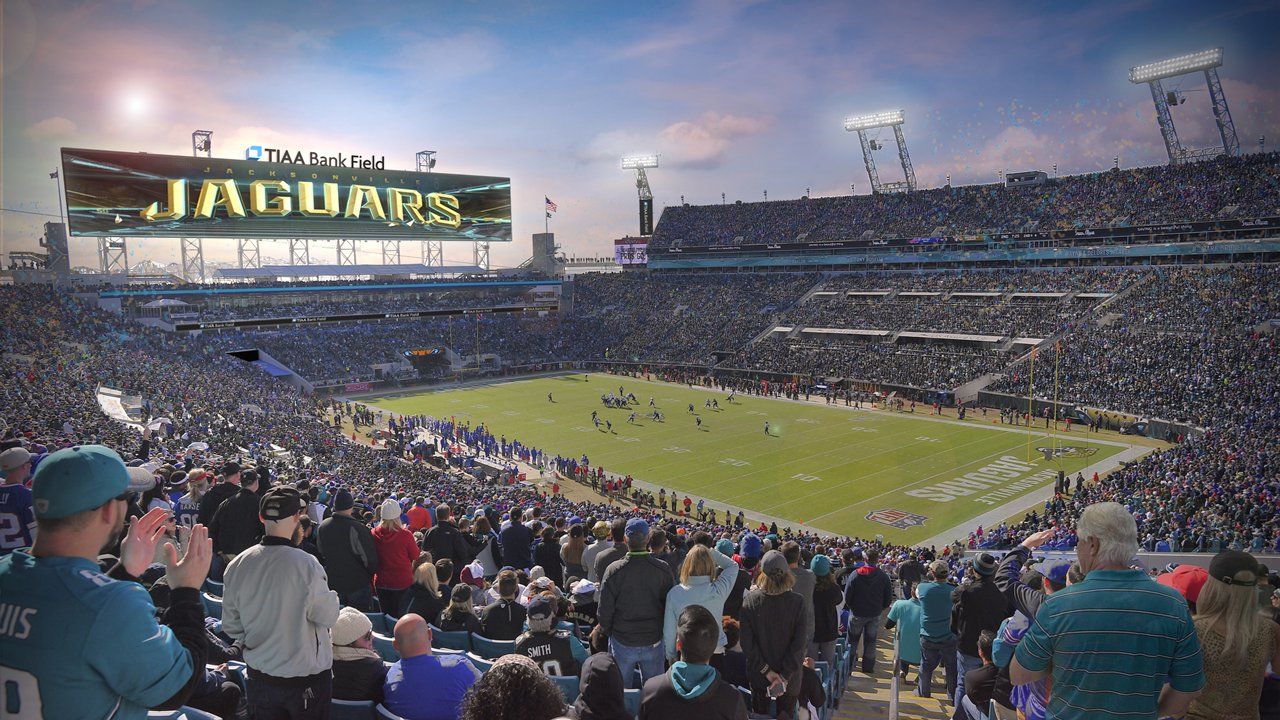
{"x":631,"y":251}
{"x":124,"y":194}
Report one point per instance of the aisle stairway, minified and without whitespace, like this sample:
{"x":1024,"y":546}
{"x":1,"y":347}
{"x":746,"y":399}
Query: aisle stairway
{"x":867,"y":698}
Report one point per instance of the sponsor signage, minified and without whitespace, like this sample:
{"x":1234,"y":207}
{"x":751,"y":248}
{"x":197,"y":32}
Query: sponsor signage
{"x":313,"y":319}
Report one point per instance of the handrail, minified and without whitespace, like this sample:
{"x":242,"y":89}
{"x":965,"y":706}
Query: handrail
{"x":895,"y":683}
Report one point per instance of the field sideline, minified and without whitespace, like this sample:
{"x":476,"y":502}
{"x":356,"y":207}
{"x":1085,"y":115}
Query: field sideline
{"x":848,"y":471}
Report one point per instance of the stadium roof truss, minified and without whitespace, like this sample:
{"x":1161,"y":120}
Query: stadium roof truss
{"x":894,"y":119}
{"x":1208,"y":62}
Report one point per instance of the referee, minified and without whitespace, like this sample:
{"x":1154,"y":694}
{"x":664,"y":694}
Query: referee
{"x":81,"y":644}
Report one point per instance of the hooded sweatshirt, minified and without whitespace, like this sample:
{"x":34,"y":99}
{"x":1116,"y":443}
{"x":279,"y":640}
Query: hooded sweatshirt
{"x":691,"y":691}
{"x":397,"y":551}
{"x":600,"y":696}
{"x":869,"y":592}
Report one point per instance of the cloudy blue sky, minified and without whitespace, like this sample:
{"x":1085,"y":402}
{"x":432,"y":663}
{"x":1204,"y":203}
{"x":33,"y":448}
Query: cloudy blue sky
{"x":738,"y":97}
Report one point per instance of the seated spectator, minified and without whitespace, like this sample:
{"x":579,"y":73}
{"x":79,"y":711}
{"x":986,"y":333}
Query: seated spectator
{"x":513,"y":689}
{"x":358,"y":670}
{"x":504,"y":619}
{"x":556,"y":652}
{"x":582,"y":605}
{"x":1236,"y":639}
{"x":1103,"y":666}
{"x":423,"y":596}
{"x":422,"y":686}
{"x":460,"y":614}
{"x":600,"y":695}
{"x":979,"y":683}
{"x":692,"y":689}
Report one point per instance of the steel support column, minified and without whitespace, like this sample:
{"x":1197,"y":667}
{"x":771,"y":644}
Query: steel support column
{"x":249,"y":253}
{"x":346,"y":251}
{"x":193,"y":259}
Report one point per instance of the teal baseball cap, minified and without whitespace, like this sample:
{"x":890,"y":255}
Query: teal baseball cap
{"x":76,"y":479}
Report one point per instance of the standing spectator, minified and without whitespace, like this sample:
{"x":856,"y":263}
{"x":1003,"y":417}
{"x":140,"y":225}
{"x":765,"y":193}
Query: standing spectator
{"x":1105,"y":662}
{"x":278,"y":605}
{"x":77,"y":621}
{"x":1237,"y":640}
{"x":773,"y":637}
{"x":424,"y":597}
{"x":905,"y":614}
{"x":692,"y":689}
{"x":397,"y":552}
{"x":445,"y":540}
{"x":358,"y":670}
{"x":422,"y":686}
{"x":601,"y":533}
{"x":978,"y":605}
{"x":419,"y":516}
{"x":350,"y":554}
{"x":633,"y":593}
{"x":517,"y":543}
{"x":826,"y":621}
{"x":504,"y":619}
{"x":616,"y":549}
{"x":235,"y":526}
{"x":220,"y":492}
{"x":805,"y":581}
{"x":15,"y":501}
{"x":937,"y":641}
{"x":869,"y":593}
{"x":910,"y":571}
{"x":547,"y":556}
{"x":572,"y":552}
{"x":706,"y":577}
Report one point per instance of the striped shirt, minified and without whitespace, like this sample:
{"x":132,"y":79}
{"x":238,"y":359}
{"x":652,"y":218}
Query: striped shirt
{"x":1113,"y":641}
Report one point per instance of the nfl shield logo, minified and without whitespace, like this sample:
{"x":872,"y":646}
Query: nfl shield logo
{"x":897,"y":518}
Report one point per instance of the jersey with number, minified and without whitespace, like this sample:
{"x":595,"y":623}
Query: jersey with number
{"x":186,"y":510}
{"x":16,"y":518}
{"x":76,"y":644}
{"x":550,"y":650}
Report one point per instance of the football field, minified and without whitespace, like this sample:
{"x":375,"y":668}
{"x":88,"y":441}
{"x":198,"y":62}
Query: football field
{"x":843,"y":470}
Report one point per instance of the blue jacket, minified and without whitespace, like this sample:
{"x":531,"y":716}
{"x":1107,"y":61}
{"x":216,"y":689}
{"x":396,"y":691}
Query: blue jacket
{"x":517,"y":545}
{"x":428,"y":687}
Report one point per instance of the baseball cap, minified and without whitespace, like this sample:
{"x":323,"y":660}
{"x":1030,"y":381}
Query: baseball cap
{"x":1235,"y":567}
{"x":13,"y":458}
{"x":984,"y":563}
{"x":1186,"y":579}
{"x":177,"y":478}
{"x":140,"y":479}
{"x":583,"y":587}
{"x":281,"y":502}
{"x":231,"y":467}
{"x":774,"y":563}
{"x":540,"y":608}
{"x":76,"y":479}
{"x":1055,"y":570}
{"x":636,"y":527}
{"x":600,"y":529}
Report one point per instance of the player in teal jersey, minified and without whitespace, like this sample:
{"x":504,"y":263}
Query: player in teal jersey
{"x":75,"y":643}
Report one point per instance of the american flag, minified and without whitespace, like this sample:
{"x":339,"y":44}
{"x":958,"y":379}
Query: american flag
{"x":551,"y":207}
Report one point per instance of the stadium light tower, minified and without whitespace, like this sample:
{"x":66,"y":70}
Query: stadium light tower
{"x":639,"y":163}
{"x":432,"y":250}
{"x":1208,"y":62}
{"x":894,"y":119}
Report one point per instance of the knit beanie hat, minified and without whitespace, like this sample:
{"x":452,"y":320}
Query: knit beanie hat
{"x":820,"y":565}
{"x":725,"y":546}
{"x":751,"y":546}
{"x":390,"y":510}
{"x":350,"y":626}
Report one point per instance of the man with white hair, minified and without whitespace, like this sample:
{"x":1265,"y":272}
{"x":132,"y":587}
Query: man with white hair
{"x":1119,"y":645}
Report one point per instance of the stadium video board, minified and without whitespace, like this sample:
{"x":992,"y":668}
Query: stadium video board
{"x":123,"y":194}
{"x":631,"y":251}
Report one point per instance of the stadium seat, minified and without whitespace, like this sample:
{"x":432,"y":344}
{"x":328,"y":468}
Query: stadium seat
{"x":631,"y":698}
{"x":450,"y":639}
{"x":212,"y":605}
{"x":384,"y":714}
{"x":384,"y":647}
{"x":482,"y":664}
{"x":568,"y":685}
{"x":493,"y":649}
{"x":351,"y":710}
{"x":382,"y":623}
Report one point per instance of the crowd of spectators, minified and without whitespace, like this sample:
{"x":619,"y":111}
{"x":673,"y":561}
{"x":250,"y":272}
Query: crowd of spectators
{"x":1222,"y":188}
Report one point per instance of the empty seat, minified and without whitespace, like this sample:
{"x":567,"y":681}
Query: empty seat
{"x":450,"y":639}
{"x":484,"y":647}
{"x":351,"y":710}
{"x":384,"y":647}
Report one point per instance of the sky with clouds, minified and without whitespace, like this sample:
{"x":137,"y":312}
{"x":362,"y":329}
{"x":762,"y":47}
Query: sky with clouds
{"x":738,"y":97}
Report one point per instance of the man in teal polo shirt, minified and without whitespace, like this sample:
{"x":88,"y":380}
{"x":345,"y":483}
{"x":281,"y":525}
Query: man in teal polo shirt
{"x":1119,"y":644}
{"x":80,"y":644}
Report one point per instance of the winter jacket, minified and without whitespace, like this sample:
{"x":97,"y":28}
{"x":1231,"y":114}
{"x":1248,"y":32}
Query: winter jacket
{"x":235,"y":526}
{"x":451,"y":621}
{"x":979,"y":605}
{"x":633,"y":593}
{"x":503,"y":620}
{"x":277,"y":602}
{"x":397,"y":551}
{"x":216,"y":496}
{"x":691,"y":692}
{"x":701,"y":590}
{"x":360,"y":679}
{"x":350,"y":555}
{"x":547,"y":555}
{"x":1008,"y":577}
{"x":423,"y":601}
{"x":869,"y":592}
{"x":826,"y":623}
{"x":601,"y":697}
{"x":517,"y":545}
{"x":446,"y":541}
{"x":773,"y":632}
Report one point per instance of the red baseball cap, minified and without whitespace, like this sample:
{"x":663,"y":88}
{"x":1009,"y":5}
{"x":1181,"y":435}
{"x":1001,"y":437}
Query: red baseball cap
{"x":1186,"y":579}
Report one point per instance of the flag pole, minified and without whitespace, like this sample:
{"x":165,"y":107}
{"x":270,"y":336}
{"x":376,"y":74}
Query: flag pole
{"x":1031,"y":394}
{"x":1057,"y":354}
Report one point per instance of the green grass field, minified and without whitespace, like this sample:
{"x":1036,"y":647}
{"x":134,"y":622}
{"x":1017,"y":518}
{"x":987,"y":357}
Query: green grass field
{"x":827,"y":467}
